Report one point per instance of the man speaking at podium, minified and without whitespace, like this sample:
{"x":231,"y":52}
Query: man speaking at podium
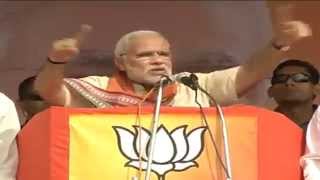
{"x":142,"y":58}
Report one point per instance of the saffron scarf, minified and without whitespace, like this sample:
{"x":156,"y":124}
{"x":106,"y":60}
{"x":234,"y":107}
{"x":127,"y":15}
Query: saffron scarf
{"x":120,"y":91}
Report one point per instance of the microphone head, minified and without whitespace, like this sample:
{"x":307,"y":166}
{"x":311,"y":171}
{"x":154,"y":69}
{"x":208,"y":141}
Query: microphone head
{"x":187,"y":79}
{"x":194,"y":77}
{"x":166,"y":79}
{"x":178,"y":76}
{"x":175,"y":77}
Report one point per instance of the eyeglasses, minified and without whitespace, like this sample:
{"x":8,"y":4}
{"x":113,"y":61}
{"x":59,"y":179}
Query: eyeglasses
{"x":297,"y":77}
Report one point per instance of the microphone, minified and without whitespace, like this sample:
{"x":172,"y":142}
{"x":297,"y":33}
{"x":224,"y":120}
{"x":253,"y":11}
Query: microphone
{"x":191,"y":80}
{"x":176,"y":77}
{"x":186,"y":78}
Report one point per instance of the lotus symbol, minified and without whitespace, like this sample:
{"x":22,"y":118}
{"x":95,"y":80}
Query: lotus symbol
{"x":174,"y":151}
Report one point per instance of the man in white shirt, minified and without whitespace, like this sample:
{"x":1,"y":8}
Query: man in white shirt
{"x":9,"y":128}
{"x":142,"y":58}
{"x":311,"y":159}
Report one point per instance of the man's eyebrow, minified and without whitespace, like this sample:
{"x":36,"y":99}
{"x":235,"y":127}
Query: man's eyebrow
{"x":151,"y":52}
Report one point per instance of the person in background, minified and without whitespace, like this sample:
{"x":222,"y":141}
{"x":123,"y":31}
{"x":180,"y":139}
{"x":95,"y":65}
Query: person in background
{"x":29,"y":101}
{"x":9,"y":128}
{"x":294,"y":88}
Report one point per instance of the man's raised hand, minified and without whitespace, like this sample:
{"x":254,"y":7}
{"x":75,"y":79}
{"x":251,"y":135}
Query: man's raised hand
{"x":287,"y":30}
{"x":65,"y":49}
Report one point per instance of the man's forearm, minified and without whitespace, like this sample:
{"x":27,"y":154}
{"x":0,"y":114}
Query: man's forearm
{"x":49,"y":83}
{"x":258,"y":67}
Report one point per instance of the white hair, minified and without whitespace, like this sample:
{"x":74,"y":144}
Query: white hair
{"x":123,"y":43}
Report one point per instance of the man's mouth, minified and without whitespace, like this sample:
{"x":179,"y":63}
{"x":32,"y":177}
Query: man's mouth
{"x":159,"y":71}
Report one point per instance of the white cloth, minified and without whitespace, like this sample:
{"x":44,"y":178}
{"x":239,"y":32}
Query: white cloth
{"x":311,"y":159}
{"x":9,"y":128}
{"x":219,"y":84}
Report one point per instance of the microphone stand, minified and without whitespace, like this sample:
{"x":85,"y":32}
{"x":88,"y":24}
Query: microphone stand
{"x":155,"y":121}
{"x":194,"y":84}
{"x":224,"y":132}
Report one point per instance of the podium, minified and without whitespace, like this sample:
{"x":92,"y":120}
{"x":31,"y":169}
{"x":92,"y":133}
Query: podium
{"x":104,"y":144}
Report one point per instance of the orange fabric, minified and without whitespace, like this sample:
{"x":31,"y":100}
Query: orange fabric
{"x":43,"y":146}
{"x":263,"y":145}
{"x":274,"y":137}
{"x":119,"y":83}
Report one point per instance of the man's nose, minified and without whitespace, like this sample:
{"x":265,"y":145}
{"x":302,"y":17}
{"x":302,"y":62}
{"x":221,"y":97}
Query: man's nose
{"x":157,"y":58}
{"x":290,"y":82}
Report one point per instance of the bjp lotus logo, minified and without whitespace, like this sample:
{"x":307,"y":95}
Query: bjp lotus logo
{"x":174,"y":151}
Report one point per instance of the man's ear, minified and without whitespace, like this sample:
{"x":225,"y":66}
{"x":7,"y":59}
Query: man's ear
{"x":316,"y":89}
{"x":118,"y":61}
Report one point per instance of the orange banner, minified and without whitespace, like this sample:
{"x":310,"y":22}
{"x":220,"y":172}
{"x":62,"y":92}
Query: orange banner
{"x":183,"y":150}
{"x":113,"y":144}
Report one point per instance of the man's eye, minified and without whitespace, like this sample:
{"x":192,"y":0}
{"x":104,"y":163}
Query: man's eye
{"x":146,"y":54}
{"x":162,"y":53}
{"x":281,"y":77}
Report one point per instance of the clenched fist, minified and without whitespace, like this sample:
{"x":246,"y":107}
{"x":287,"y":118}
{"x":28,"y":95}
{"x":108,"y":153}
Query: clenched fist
{"x":65,"y":49}
{"x":287,"y":30}
{"x":290,"y":32}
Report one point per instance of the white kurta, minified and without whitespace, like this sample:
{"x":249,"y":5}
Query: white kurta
{"x":311,"y":160}
{"x":9,"y":128}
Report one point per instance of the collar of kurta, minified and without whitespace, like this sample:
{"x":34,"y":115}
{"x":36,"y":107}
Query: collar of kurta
{"x":119,"y":84}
